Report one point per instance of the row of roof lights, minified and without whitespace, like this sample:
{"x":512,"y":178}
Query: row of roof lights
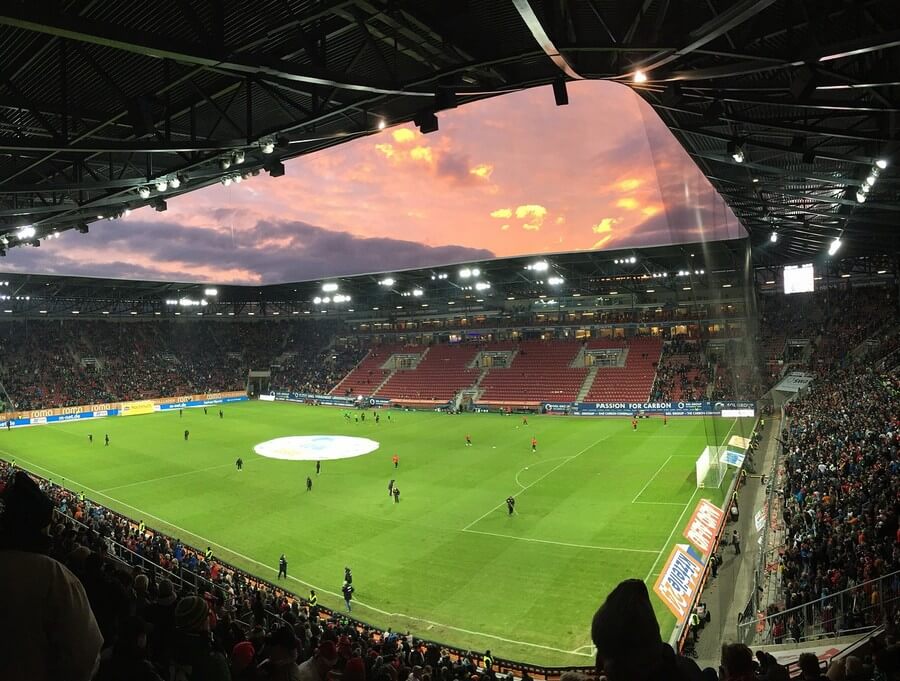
{"x":625,"y":261}
{"x":467,"y":272}
{"x":863,"y":192}
{"x":439,"y":275}
{"x":337,"y":298}
{"x":539,"y":266}
{"x":187,"y":302}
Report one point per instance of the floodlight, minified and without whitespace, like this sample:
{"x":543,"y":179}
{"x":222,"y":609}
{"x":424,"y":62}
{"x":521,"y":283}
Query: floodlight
{"x":555,"y":281}
{"x":144,"y":192}
{"x":870,"y":179}
{"x":418,"y":293}
{"x":482,"y":285}
{"x":26,"y":232}
{"x":834,"y":246}
{"x":736,"y":151}
{"x":326,"y":300}
{"x":329,"y":286}
{"x":387,"y":281}
{"x":860,"y":196}
{"x":162,"y":185}
{"x":225,"y":163}
{"x":267,"y":146}
{"x":238,"y":179}
{"x":210,"y":292}
{"x":465,"y":273}
{"x":882,"y":163}
{"x":382,"y":124}
{"x":640,"y":76}
{"x":175,"y":182}
{"x":238,"y":157}
{"x":632,"y":260}
{"x":317,"y":300}
{"x":226,"y":181}
{"x":540,"y":266}
{"x":773,"y":237}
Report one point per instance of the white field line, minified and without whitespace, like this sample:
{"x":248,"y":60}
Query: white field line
{"x":536,"y":464}
{"x":678,"y":522}
{"x":248,"y":559}
{"x":658,"y":503}
{"x":167,"y":477}
{"x":561,"y":543}
{"x":557,"y":466}
{"x":658,"y":471}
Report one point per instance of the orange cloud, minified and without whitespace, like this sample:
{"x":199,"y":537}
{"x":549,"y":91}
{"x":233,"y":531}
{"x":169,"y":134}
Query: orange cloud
{"x":561,"y":220}
{"x":533,"y":214}
{"x":422,"y":154}
{"x":599,"y":244}
{"x":629,"y":184}
{"x":482,"y":170}
{"x":402,"y":135}
{"x":502,"y":213}
{"x":604,"y":226}
{"x":386,"y":149}
{"x":650,"y":211}
{"x":628,"y":203}
{"x":504,"y":227}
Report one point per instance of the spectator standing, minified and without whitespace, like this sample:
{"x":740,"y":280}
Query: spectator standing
{"x":316,"y":668}
{"x":195,"y":656}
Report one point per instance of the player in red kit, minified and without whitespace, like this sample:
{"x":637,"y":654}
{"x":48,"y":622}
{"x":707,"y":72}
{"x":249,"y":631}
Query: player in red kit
{"x":634,"y":424}
{"x":533,"y":444}
{"x":468,"y":440}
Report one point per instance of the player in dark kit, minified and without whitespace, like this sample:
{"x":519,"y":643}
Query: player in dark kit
{"x":239,"y":463}
{"x":396,"y":494}
{"x":348,"y":575}
{"x":510,"y":505}
{"x":106,"y":437}
{"x":282,"y":567}
{"x":524,"y":420}
{"x":204,"y":411}
{"x":391,"y":488}
{"x":186,"y":434}
{"x":308,"y":484}
{"x":180,"y":413}
{"x":363,"y":417}
{"x":90,"y":438}
{"x":221,"y":415}
{"x":468,"y":440}
{"x":318,"y":467}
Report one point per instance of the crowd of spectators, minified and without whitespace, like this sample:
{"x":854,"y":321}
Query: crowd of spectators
{"x":318,"y":374}
{"x":55,"y":363}
{"x":840,"y":499}
{"x":683,"y":372}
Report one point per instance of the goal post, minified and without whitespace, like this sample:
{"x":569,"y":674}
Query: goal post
{"x":710,"y":467}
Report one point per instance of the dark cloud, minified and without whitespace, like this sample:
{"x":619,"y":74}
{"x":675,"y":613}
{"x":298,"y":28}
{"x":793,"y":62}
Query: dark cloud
{"x":276,"y":251}
{"x":456,"y":167}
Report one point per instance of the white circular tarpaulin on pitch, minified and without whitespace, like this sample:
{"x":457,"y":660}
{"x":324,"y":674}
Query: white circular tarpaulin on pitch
{"x":315,"y":447}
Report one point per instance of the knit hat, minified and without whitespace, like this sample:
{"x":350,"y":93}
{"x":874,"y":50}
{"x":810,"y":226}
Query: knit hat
{"x":327,"y":651}
{"x":242,"y":656}
{"x":625,"y":623}
{"x":26,"y":510}
{"x":165,"y":594}
{"x":355,"y":670}
{"x":191,"y":614}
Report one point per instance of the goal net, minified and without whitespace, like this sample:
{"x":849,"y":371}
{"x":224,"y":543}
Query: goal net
{"x":710,"y":467}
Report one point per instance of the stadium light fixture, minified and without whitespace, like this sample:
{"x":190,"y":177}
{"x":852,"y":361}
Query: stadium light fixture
{"x":144,"y":192}
{"x":871,"y":177}
{"x":267,"y":146}
{"x":226,"y":181}
{"x":26,"y":232}
{"x":418,"y":293}
{"x":238,"y":179}
{"x":317,"y":300}
{"x":326,"y":300}
{"x":639,"y":77}
{"x":482,"y":285}
{"x":382,"y":124}
{"x":736,"y":151}
{"x":860,"y":196}
{"x":465,"y":273}
{"x":773,"y":237}
{"x":834,"y":246}
{"x":210,"y":291}
{"x":881,"y":163}
{"x":238,"y":157}
{"x":539,"y":266}
{"x":175,"y":182}
{"x":329,"y":286}
{"x":387,"y":281}
{"x":225,"y":163}
{"x":555,"y":281}
{"x":162,"y":185}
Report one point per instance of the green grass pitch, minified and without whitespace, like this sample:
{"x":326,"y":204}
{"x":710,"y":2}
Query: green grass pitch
{"x":596,"y":504}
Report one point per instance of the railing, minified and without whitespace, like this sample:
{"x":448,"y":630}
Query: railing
{"x":856,"y":610}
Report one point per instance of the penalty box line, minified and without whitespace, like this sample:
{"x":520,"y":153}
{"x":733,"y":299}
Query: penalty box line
{"x":555,"y":468}
{"x":248,"y":559}
{"x":560,"y":543}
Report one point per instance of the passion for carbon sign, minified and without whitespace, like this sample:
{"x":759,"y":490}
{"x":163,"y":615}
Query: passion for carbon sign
{"x":667,"y":408}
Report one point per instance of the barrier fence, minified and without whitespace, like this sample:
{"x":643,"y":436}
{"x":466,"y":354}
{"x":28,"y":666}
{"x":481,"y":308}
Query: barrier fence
{"x":856,"y":610}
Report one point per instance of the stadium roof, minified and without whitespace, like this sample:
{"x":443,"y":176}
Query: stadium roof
{"x":785,"y":105}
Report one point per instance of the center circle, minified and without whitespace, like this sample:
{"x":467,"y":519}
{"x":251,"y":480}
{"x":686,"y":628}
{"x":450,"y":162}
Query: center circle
{"x":315,"y":447}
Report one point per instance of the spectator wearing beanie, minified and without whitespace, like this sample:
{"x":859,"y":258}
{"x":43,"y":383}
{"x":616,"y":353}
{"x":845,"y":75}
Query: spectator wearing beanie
{"x":128,"y":661}
{"x":317,"y":667}
{"x":280,"y":656}
{"x":243,"y":657}
{"x":809,"y":668}
{"x":194,"y":655}
{"x":737,"y":662}
{"x":53,"y":633}
{"x":629,"y":647}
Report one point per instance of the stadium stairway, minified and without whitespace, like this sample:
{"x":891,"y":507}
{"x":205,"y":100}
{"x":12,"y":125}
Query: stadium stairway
{"x":370,"y":374}
{"x":631,"y":382}
{"x":441,"y":372}
{"x":540,"y":371}
{"x":588,"y":382}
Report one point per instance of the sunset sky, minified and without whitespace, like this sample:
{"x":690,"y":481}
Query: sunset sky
{"x":507,"y":176}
